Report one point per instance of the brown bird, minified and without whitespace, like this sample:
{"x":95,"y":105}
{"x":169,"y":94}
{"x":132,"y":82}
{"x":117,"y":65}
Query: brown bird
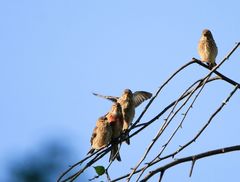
{"x":102,"y":134}
{"x":128,"y":101}
{"x":207,"y":48}
{"x":115,"y":118}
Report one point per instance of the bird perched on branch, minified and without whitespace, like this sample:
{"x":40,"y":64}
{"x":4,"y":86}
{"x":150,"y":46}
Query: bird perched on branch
{"x":128,"y":101}
{"x":102,"y":134}
{"x":115,"y":118}
{"x":207,"y":48}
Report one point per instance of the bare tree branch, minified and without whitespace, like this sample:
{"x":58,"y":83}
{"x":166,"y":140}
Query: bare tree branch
{"x":168,"y":121}
{"x":201,"y":84}
{"x":159,"y":90}
{"x":185,"y":100}
{"x":144,"y":125}
{"x":191,"y":158}
{"x":223,"y":77}
{"x":203,"y":128}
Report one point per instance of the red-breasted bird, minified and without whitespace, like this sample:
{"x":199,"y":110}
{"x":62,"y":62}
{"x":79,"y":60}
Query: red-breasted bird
{"x":102,"y":134}
{"x":207,"y":48}
{"x":128,"y":101}
{"x":115,"y":118}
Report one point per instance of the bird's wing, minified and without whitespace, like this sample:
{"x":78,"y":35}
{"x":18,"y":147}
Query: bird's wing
{"x":111,"y":98}
{"x":140,"y":96}
{"x":94,"y":134}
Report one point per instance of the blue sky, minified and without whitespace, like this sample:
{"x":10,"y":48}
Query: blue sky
{"x":54,"y":54}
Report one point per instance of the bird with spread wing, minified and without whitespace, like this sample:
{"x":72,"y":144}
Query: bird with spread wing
{"x":128,"y":101}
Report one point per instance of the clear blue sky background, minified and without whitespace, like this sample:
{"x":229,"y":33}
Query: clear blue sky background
{"x":55,"y":53}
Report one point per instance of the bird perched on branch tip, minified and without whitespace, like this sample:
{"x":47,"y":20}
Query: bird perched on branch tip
{"x":207,"y":48}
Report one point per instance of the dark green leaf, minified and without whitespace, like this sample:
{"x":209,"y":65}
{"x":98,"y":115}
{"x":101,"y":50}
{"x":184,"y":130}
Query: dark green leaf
{"x":100,"y":170}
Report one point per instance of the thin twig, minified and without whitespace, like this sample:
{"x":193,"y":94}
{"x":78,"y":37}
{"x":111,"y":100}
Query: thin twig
{"x":193,"y":163}
{"x":80,"y":162}
{"x":161,"y":113}
{"x":190,"y":158}
{"x":223,"y":77}
{"x":201,"y":84}
{"x":92,"y":161}
{"x":165,"y":125}
{"x":159,"y":90}
{"x":202,"y":129}
{"x":99,"y":154}
{"x":188,"y":143}
{"x":108,"y":176}
{"x":146,"y":124}
{"x":180,"y":69}
{"x":167,"y":122}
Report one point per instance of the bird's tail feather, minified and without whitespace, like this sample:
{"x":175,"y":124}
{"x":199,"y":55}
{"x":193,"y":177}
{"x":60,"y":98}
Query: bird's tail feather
{"x":114,"y":153}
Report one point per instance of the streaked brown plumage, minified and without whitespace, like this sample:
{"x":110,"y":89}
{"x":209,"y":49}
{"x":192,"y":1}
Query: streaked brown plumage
{"x":128,"y":101}
{"x":102,"y":134}
{"x":115,"y":118}
{"x":207,"y":48}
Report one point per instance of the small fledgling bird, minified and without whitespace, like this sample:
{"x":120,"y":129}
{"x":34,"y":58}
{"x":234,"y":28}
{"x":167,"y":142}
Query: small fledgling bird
{"x":102,"y":135}
{"x":128,"y":101}
{"x":115,"y":118}
{"x":207,"y":48}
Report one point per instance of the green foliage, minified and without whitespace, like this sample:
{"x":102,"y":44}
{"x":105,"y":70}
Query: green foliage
{"x":100,"y":170}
